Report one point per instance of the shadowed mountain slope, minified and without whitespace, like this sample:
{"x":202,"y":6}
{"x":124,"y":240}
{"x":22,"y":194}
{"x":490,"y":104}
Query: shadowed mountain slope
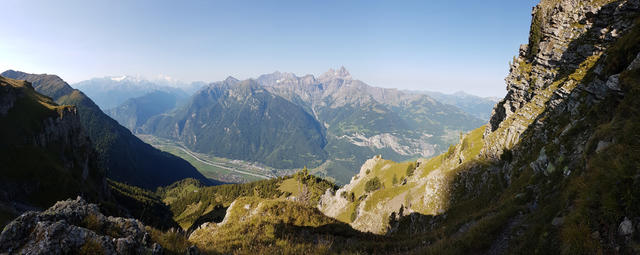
{"x":125,"y":157}
{"x":45,"y":155}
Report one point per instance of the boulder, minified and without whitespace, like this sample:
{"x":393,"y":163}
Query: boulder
{"x":75,"y":226}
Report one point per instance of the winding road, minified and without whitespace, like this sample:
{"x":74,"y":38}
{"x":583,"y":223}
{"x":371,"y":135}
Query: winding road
{"x":221,"y":166}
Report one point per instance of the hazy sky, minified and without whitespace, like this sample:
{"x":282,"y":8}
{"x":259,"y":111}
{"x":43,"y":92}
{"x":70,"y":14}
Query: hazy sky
{"x":441,"y":45}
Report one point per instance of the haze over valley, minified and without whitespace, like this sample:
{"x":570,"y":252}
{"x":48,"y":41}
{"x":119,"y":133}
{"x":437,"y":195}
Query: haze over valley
{"x":283,"y":122}
{"x":419,"y":151}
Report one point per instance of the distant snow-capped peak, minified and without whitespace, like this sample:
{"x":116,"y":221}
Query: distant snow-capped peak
{"x":119,"y":78}
{"x":163,"y":80}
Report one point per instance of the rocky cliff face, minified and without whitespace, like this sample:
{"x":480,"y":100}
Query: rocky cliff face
{"x":8,"y":98}
{"x":567,"y":39}
{"x":75,"y":227}
{"x":566,"y":117}
{"x":46,"y":156}
{"x":62,"y":126}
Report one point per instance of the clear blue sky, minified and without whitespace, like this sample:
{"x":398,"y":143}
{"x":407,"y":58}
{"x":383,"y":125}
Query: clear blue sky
{"x":439,"y":45}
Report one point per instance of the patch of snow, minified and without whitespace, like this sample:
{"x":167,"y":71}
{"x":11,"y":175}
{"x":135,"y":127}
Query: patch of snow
{"x":121,"y":78}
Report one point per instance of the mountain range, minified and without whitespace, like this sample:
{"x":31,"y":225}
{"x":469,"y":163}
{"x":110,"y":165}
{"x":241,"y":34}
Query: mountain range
{"x":479,"y":107}
{"x":332,"y":123}
{"x":242,"y":120}
{"x":111,"y":92}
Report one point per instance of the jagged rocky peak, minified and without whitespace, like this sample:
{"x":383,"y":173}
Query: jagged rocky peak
{"x":278,"y":78}
{"x":341,"y":73}
{"x":247,"y":86}
{"x":231,"y":80}
{"x":74,"y":226}
{"x":228,"y":83}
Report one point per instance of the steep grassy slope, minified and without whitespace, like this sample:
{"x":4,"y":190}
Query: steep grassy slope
{"x":263,"y":226}
{"x":383,"y":187}
{"x":134,"y":202}
{"x":125,"y":157}
{"x":44,"y":154}
{"x":275,"y":216}
{"x":192,"y":204}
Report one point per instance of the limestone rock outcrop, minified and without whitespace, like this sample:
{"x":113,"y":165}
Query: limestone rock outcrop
{"x":75,"y":226}
{"x":566,"y":40}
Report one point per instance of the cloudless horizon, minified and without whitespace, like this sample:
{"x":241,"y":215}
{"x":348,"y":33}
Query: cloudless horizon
{"x":444,"y":46}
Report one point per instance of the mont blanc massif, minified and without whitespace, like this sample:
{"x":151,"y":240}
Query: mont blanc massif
{"x":328,"y":164}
